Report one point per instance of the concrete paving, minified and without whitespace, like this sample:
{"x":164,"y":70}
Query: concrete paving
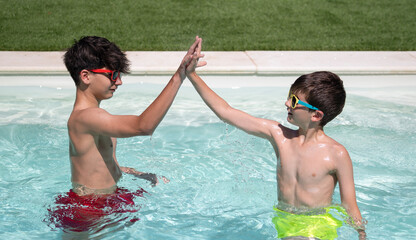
{"x":230,"y":63}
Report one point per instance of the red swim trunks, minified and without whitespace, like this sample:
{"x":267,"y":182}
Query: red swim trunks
{"x":82,"y":213}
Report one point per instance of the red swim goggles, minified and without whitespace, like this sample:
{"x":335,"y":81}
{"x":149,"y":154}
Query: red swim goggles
{"x":114,"y":73}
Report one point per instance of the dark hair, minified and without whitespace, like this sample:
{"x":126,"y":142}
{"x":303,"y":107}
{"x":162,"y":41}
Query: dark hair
{"x":93,"y":52}
{"x":324,"y":90}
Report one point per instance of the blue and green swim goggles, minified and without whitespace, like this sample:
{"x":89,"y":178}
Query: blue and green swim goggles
{"x":294,"y":101}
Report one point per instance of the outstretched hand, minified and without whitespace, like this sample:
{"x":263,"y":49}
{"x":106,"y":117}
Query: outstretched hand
{"x":151,"y":177}
{"x":194,"y":62}
{"x":190,"y":61}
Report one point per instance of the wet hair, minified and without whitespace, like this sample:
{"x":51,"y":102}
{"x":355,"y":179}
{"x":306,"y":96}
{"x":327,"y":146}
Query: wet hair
{"x":324,"y":90}
{"x":93,"y":52}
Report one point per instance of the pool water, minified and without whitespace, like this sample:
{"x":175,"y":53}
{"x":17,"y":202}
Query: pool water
{"x":222,"y":180}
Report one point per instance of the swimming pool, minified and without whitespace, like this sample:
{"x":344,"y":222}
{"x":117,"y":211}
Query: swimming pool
{"x":222,"y":180}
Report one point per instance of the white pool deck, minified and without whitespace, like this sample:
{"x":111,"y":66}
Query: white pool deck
{"x":231,"y":63}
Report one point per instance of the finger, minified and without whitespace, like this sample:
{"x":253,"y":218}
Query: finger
{"x":197,"y":57}
{"x":165,"y":179}
{"x":201,"y":64}
{"x":193,"y":46}
{"x":187,"y":59}
{"x":199,"y":46}
{"x":196,"y":44}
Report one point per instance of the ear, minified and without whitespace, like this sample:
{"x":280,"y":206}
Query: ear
{"x":317,"y":115}
{"x":84,"y":76}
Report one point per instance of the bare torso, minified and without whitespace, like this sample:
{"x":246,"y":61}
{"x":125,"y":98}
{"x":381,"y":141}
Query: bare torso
{"x":93,"y":162}
{"x":306,"y":171}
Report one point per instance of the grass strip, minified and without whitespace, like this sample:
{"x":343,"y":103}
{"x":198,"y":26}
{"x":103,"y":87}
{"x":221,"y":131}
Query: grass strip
{"x":226,"y":25}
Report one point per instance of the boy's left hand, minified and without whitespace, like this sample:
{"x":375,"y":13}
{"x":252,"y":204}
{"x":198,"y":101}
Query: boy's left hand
{"x":194,"y":63}
{"x":152,"y":178}
{"x":190,"y":61}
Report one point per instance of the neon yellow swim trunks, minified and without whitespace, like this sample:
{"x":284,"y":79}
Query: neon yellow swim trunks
{"x":322,"y":226}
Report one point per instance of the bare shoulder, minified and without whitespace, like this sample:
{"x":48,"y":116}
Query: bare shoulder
{"x":87,"y":116}
{"x":278,"y":131}
{"x":272,"y":125}
{"x":86,"y":112}
{"x":339,"y":152}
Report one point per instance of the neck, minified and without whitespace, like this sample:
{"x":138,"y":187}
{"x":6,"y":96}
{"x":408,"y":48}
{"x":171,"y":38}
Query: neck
{"x":311,"y":133}
{"x":84,"y":100}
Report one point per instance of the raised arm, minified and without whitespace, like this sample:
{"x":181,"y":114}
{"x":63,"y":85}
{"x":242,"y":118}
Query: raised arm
{"x":119,"y":126}
{"x":252,"y":125}
{"x":154,"y":114}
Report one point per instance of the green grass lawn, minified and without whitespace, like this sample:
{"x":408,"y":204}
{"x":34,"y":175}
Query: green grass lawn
{"x":150,"y":25}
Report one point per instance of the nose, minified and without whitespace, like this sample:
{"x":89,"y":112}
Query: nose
{"x":118,"y":82}
{"x":287,"y":103}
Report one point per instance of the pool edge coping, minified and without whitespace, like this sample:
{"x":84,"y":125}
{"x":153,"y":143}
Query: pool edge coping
{"x":230,"y":63}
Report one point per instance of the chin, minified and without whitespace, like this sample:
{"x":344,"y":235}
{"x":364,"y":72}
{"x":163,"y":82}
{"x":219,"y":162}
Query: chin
{"x":105,"y":98}
{"x":290,"y":120}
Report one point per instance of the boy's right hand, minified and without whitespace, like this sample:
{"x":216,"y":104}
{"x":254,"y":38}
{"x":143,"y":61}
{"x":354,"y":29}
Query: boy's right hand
{"x":194,"y":61}
{"x":190,"y":55}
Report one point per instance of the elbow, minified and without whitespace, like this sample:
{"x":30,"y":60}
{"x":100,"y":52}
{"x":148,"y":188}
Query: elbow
{"x":147,"y":130}
{"x":137,"y":132}
{"x":224,"y":119}
{"x":223,"y":114}
{"x":144,"y":128}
